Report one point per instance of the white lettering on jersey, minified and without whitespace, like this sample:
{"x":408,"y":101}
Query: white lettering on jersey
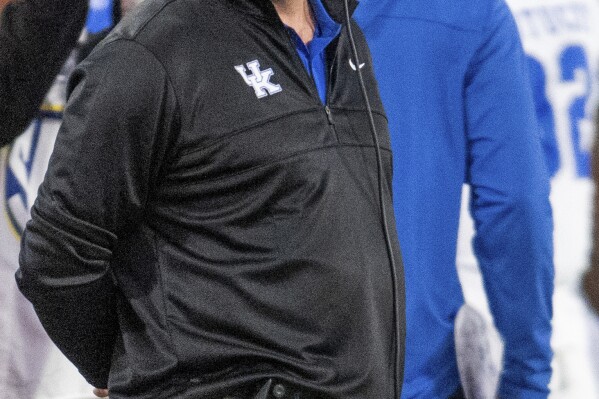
{"x":554,"y":19}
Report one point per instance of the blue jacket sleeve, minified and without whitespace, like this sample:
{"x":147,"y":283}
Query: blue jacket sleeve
{"x":510,"y":205}
{"x":108,"y":152}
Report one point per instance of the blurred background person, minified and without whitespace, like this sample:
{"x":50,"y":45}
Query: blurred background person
{"x":31,"y":367}
{"x":560,"y":38}
{"x":36,"y":37}
{"x":25,"y":346}
{"x":454,"y":83}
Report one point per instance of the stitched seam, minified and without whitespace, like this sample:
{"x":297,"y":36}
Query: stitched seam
{"x":269,"y":120}
{"x":167,"y":326}
{"x":295,"y":154}
{"x":249,"y":127}
{"x":432,"y":21}
{"x":354,"y":109}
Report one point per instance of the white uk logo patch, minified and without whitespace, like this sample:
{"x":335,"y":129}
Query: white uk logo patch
{"x":259,"y":80}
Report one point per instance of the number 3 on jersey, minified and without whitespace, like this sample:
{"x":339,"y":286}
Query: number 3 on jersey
{"x":573,"y":69}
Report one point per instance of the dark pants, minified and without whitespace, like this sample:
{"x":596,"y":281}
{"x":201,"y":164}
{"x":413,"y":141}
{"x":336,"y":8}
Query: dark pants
{"x":459,"y":394}
{"x":271,"y":389}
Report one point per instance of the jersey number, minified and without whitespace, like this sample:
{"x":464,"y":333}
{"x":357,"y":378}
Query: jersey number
{"x":571,"y":60}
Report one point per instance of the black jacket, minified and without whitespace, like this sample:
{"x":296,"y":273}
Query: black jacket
{"x":195,"y":233}
{"x":36,"y":37}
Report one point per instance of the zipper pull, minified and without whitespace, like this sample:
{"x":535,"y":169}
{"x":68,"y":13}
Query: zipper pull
{"x":329,"y":115}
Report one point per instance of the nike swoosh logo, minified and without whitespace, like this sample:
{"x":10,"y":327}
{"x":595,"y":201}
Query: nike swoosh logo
{"x":353,"y":66}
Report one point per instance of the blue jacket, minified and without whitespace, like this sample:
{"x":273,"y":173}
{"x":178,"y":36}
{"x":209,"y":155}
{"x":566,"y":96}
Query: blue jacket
{"x":452,"y":76}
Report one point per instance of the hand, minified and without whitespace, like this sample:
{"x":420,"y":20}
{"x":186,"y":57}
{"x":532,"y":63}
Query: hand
{"x":101,"y":393}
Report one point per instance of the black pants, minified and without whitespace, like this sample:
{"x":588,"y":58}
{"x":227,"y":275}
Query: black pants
{"x":271,"y":389}
{"x":459,"y":394}
{"x":280,"y":390}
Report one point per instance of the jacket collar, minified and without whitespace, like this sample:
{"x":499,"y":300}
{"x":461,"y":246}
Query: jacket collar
{"x":265,"y":9}
{"x":336,"y":9}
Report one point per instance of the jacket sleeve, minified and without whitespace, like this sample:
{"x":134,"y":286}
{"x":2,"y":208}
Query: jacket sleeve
{"x":36,"y":37}
{"x":590,"y":281}
{"x":107,"y":155}
{"x":510,"y":205}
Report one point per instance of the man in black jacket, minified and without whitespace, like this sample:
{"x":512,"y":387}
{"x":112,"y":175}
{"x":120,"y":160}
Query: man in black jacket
{"x":36,"y":37}
{"x":210,"y":222}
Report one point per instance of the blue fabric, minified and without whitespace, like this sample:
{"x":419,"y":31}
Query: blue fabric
{"x":99,"y":16}
{"x":453,"y":79}
{"x":313,"y":55}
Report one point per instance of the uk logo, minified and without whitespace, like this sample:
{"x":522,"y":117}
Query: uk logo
{"x":259,"y":80}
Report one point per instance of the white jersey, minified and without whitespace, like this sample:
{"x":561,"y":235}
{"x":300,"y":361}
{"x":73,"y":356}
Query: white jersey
{"x":561,"y":40}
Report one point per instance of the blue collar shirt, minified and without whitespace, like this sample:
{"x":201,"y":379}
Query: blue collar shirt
{"x":313,"y":54}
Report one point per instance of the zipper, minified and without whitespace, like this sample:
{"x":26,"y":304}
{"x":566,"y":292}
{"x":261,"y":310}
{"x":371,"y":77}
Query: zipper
{"x":312,"y":85}
{"x":327,"y":110}
{"x":330,"y":77}
{"x":298,"y":62}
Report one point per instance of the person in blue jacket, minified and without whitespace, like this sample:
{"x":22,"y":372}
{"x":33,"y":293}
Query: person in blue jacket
{"x":453,"y":79}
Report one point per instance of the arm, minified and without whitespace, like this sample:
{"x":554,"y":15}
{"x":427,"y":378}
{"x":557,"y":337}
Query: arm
{"x":107,"y":155}
{"x":510,"y":206}
{"x":36,"y":36}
